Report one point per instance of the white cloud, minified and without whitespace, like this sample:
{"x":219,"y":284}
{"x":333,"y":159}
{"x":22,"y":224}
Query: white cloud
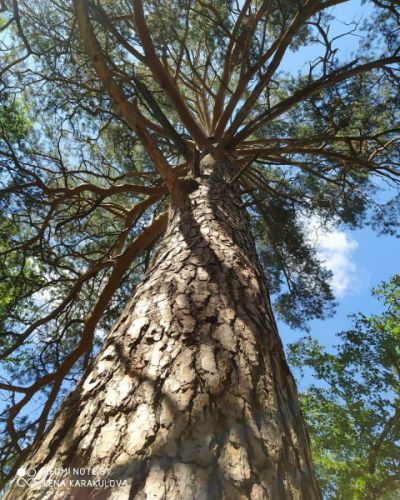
{"x":335,"y":249}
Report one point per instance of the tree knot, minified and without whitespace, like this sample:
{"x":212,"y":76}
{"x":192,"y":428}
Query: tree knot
{"x":182,"y":188}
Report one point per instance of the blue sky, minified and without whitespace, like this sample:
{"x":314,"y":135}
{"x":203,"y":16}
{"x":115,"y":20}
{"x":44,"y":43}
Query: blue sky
{"x":367,"y":260}
{"x":372,"y":259}
{"x":358,"y":259}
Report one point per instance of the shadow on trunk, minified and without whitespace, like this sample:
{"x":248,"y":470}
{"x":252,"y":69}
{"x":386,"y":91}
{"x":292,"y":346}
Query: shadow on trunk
{"x":191,"y":396}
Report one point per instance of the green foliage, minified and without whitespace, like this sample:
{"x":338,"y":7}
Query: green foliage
{"x":14,"y":121}
{"x":296,"y":278}
{"x":353,"y":412}
{"x":18,"y":279}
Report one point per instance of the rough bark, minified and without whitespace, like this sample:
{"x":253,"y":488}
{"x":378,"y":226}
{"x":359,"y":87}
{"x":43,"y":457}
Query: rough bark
{"x":190,"y":396}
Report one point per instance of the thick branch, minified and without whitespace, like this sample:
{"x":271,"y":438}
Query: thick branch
{"x":129,"y":111}
{"x":312,"y":89}
{"x":164,"y":79}
{"x":278,"y":49}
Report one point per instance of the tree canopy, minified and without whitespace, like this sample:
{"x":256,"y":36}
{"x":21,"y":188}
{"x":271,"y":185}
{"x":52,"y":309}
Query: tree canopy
{"x":353,"y":410}
{"x":105,"y":111}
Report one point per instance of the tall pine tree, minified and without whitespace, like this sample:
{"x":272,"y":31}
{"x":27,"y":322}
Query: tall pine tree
{"x":169,"y":171}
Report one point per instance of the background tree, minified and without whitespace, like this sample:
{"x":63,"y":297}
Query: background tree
{"x":354,"y":414}
{"x":187,"y":128}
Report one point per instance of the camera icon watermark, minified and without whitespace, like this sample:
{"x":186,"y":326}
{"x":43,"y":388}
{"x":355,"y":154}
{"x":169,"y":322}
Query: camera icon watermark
{"x":67,"y":477}
{"x":26,"y":477}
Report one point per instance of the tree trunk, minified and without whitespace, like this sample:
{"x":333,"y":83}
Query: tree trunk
{"x":190,"y":396}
